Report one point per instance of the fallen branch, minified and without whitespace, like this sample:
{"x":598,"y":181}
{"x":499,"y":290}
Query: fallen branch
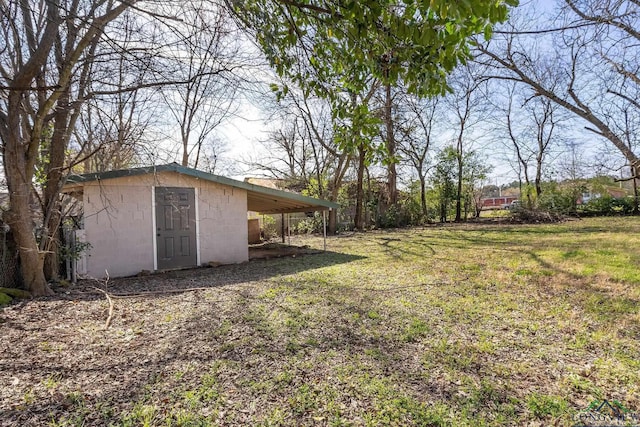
{"x":109,"y":300}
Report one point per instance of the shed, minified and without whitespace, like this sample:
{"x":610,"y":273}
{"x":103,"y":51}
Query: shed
{"x":171,"y":216}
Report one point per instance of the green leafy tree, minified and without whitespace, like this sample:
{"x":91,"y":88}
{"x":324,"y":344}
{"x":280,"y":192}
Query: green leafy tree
{"x":345,"y":42}
{"x":560,"y":198}
{"x":444,"y":181}
{"x":342,"y":51}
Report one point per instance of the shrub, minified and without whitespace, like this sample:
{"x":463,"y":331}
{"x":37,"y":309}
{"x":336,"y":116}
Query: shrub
{"x":308,"y":225}
{"x":557,"y":200}
{"x":269,"y":228}
{"x":608,"y":205}
{"x":390,"y":218}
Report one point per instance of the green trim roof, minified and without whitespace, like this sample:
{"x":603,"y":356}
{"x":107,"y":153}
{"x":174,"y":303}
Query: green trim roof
{"x":259,"y":199}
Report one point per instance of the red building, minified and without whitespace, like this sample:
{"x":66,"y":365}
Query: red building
{"x":502,"y":202}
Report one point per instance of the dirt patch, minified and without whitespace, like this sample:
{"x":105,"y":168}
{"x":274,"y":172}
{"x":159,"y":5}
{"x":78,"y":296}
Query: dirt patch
{"x":277,"y":250}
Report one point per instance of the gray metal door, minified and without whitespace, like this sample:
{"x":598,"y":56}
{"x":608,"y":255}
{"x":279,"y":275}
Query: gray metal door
{"x":176,"y":227}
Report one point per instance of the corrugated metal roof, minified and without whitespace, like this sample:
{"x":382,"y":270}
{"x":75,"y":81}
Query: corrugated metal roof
{"x":259,"y":199}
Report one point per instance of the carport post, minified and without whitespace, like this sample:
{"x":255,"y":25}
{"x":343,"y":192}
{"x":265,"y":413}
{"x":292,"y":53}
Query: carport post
{"x":324,"y":228}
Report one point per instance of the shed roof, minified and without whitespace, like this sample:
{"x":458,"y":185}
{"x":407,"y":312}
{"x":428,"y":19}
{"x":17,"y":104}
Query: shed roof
{"x":259,"y":199}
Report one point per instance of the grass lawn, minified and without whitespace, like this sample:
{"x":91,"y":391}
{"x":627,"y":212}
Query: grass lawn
{"x":454,"y":325}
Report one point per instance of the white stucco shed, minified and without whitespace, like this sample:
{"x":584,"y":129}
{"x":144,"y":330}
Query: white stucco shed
{"x":170,"y":216}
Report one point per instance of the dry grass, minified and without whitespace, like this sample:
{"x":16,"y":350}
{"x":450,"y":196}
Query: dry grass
{"x":459,"y":325}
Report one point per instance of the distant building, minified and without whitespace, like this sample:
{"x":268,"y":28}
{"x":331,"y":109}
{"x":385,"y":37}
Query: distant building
{"x":615,"y":192}
{"x":497,"y":202}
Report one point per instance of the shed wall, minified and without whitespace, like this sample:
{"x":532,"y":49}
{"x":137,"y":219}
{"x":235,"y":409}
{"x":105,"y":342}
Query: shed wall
{"x":118,"y":225}
{"x":222,"y":228}
{"x":119,"y":222}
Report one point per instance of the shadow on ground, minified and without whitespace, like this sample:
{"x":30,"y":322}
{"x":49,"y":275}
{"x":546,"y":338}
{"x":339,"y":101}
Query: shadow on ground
{"x":278,"y":263}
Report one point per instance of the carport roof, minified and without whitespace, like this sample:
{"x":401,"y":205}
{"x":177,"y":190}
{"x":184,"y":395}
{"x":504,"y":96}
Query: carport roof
{"x":259,"y":199}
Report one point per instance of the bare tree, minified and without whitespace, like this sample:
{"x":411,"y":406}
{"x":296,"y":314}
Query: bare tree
{"x":416,"y":130}
{"x":466,"y":104}
{"x":532,"y":126}
{"x":45,"y":66}
{"x":596,"y":54}
{"x":213,"y":156}
{"x":114,"y":129}
{"x":303,"y":146}
{"x":289,"y":153}
{"x":208,"y":54}
{"x":331,"y":160}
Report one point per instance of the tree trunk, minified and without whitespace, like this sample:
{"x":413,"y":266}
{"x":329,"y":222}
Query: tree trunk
{"x":358,"y":220}
{"x":51,"y":265}
{"x":52,"y":214}
{"x":538,"y":178}
{"x":19,"y":217}
{"x":19,"y":156}
{"x":31,"y":260}
{"x":185,"y":153}
{"x":636,"y":204}
{"x":392,"y":175}
{"x":332,"y":226}
{"x":459,"y":190}
{"x":423,"y":198}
